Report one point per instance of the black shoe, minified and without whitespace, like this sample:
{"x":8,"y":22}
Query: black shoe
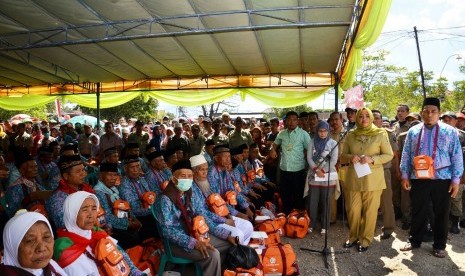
{"x":349,"y":244}
{"x":385,"y":236}
{"x":454,"y":229}
{"x":362,"y":248}
{"x":405,"y":226}
{"x":462,"y":223}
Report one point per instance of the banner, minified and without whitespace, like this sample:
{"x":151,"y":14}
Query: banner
{"x":354,"y":97}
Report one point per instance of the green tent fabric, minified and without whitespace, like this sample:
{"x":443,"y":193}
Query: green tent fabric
{"x":25,"y":102}
{"x":280,"y":98}
{"x":107,"y":100}
{"x":369,"y":30}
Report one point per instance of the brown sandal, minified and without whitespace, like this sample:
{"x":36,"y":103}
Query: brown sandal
{"x":439,"y":253}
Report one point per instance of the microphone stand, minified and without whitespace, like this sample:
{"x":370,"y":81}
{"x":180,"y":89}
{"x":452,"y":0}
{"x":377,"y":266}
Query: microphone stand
{"x":326,"y":251}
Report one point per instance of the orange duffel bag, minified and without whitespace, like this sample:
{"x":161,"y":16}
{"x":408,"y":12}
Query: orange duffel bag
{"x":297,"y":224}
{"x":217,"y":205}
{"x":255,"y":271}
{"x":201,"y":229}
{"x":281,"y":218}
{"x":146,"y":257}
{"x":279,"y":259}
{"x":272,"y":229}
{"x":231,"y":198}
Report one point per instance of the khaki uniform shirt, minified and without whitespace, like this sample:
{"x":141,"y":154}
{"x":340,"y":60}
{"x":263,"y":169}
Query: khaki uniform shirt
{"x":378,"y":148}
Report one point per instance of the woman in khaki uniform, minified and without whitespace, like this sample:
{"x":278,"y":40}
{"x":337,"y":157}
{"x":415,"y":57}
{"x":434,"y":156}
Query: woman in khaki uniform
{"x":365,"y":144}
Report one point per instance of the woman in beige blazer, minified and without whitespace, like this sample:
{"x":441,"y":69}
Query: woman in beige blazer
{"x":366,"y":144}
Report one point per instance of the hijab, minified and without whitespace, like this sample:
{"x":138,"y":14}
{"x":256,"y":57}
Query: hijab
{"x":14,"y":232}
{"x":319,"y":143}
{"x":71,"y":209}
{"x":65,"y":253}
{"x":370,"y":130}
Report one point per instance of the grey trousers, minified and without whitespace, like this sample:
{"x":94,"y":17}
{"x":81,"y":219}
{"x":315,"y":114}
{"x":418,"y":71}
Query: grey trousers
{"x":210,"y":265}
{"x":318,"y":197}
{"x":387,"y":208}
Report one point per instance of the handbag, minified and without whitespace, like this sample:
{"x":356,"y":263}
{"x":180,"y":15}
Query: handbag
{"x":241,"y":256}
{"x":423,"y":165}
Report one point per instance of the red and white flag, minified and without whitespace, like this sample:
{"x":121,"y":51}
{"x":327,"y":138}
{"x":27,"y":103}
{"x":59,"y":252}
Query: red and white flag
{"x":58,"y":109}
{"x":354,"y":97}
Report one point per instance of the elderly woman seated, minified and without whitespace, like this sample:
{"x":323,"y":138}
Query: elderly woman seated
{"x":82,"y":248}
{"x":29,"y":246}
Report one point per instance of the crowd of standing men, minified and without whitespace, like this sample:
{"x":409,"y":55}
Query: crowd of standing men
{"x":411,"y":168}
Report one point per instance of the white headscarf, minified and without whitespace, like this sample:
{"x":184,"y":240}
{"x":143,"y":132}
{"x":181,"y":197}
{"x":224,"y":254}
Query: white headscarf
{"x":13,"y":234}
{"x":71,"y":208}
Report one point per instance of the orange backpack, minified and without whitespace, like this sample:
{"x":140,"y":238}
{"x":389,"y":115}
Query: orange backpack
{"x":254,"y":271}
{"x":251,"y":176}
{"x":297,"y":224}
{"x":146,"y":257}
{"x":109,"y":259}
{"x":121,"y":208}
{"x":279,"y":259}
{"x":217,"y":205}
{"x":101,"y":221}
{"x":272,"y":229}
{"x":231,"y":198}
{"x":148,"y":198}
{"x":164,"y":184}
{"x":201,"y":229}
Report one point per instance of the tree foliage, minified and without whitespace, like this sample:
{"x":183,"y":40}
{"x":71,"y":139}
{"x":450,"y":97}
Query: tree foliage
{"x":386,"y":86}
{"x":137,"y":108}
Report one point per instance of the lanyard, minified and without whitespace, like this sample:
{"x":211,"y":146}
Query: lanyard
{"x":434,"y":145}
{"x":221,"y":180}
{"x":134,"y":183}
{"x":159,"y":178}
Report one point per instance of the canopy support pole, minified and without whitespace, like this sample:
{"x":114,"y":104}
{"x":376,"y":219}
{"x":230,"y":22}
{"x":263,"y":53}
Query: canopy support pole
{"x":336,"y":92}
{"x":98,"y":109}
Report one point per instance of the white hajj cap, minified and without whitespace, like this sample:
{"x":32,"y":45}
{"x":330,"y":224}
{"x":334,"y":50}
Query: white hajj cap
{"x":197,"y":160}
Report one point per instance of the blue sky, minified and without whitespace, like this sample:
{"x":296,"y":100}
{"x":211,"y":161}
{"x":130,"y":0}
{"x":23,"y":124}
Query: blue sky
{"x":436,"y":45}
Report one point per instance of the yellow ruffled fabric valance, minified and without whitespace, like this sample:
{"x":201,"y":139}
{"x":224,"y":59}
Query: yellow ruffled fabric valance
{"x":280,"y":98}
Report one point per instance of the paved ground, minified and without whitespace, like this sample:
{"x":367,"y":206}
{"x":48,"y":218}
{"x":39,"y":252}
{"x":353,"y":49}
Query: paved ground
{"x":382,"y":257}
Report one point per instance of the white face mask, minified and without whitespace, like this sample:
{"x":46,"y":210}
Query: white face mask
{"x":184,"y":184}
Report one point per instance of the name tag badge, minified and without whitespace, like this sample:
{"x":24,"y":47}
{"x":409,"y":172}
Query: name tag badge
{"x":290,"y":147}
{"x":122,"y":214}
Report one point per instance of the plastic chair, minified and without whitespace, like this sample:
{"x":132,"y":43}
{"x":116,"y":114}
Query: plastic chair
{"x":167,"y":256}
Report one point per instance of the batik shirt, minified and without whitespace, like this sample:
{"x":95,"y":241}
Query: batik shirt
{"x":220,"y":183}
{"x":236,"y":174}
{"x":53,"y":176}
{"x":54,"y":206}
{"x":15,"y":194}
{"x":132,"y":191}
{"x":208,"y":158}
{"x":448,"y":162}
{"x":257,"y":164}
{"x":199,"y":199}
{"x":155,"y":178}
{"x":213,"y":220}
{"x":107,"y":196}
{"x":169,"y":219}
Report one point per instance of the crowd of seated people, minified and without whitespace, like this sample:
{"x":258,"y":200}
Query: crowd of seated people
{"x":66,"y":190}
